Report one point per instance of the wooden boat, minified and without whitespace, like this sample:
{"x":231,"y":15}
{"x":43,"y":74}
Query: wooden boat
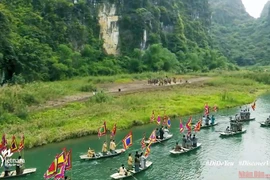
{"x":208,"y":126}
{"x":132,"y":172}
{"x":159,"y":140}
{"x":243,"y":117}
{"x":264,"y":124}
{"x":185,"y":150}
{"x":100,"y":155}
{"x":232,"y":133}
{"x":12,"y":174}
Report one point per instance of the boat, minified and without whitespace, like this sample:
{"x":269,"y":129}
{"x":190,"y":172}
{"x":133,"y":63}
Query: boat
{"x":132,"y":172}
{"x":207,"y":126}
{"x":185,"y":150}
{"x":12,"y":174}
{"x":232,"y":133}
{"x":243,"y":117}
{"x":265,"y":124}
{"x":160,"y":140}
{"x":100,"y":155}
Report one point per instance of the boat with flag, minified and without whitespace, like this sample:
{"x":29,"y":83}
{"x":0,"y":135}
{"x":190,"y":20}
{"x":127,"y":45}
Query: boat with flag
{"x":7,"y":153}
{"x":60,"y":165}
{"x":244,"y":115}
{"x":235,"y":129}
{"x":100,"y":155}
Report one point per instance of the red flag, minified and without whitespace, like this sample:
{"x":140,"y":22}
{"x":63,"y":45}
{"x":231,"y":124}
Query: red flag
{"x":3,"y":143}
{"x":14,"y":147}
{"x":113,"y":131}
{"x":198,"y":125}
{"x":143,"y":142}
{"x":206,"y":109}
{"x":181,"y":126}
{"x":215,"y":108}
{"x":253,"y":106}
{"x":102,"y":130}
{"x":21,"y":146}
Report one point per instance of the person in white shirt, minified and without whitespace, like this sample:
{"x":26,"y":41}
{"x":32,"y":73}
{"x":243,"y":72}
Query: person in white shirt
{"x":122,"y":170}
{"x":166,"y":132}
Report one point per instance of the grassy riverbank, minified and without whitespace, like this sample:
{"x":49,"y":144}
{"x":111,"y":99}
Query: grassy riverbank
{"x":83,"y":118}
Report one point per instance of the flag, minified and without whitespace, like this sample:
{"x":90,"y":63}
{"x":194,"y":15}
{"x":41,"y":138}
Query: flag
{"x":158,"y":119}
{"x":113,"y":131}
{"x":198,"y":126}
{"x":152,"y":137}
{"x":68,"y":161}
{"x":188,"y":125}
{"x":14,"y":147}
{"x":215,"y":108}
{"x":60,"y":173}
{"x":152,"y":118}
{"x":148,"y":150}
{"x":169,"y":123}
{"x":102,"y":130}
{"x":143,"y":142}
{"x":61,"y":159}
{"x":253,"y":106}
{"x":3,"y":143}
{"x":181,"y":126}
{"x":51,"y":170}
{"x":206,"y":109}
{"x":165,"y":119}
{"x":127,"y":141}
{"x":21,"y":146}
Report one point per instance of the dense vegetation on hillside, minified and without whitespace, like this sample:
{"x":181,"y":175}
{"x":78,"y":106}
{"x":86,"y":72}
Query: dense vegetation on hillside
{"x":57,"y":39}
{"x":241,"y":38}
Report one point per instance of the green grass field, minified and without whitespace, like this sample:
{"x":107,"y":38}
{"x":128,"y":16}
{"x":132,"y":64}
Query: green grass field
{"x":83,"y":118}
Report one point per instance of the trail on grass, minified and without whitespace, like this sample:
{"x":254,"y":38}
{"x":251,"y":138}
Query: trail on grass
{"x":113,"y":88}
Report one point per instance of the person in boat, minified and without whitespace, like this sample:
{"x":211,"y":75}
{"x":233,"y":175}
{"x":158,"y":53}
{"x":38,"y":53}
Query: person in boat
{"x":207,"y":120}
{"x":142,"y":161}
{"x":157,"y":133}
{"x":184,"y":141}
{"x":104,"y":148}
{"x":19,"y":166}
{"x":130,"y":162}
{"x":228,"y":128}
{"x":91,"y":153}
{"x":137,"y":162}
{"x":6,"y":168}
{"x":188,"y":144}
{"x":161,"y":133}
{"x":177,"y":147}
{"x":204,"y":119}
{"x":212,"y":120}
{"x":112,"y":146}
{"x":194,"y":141}
{"x":122,"y":170}
{"x":166,"y":132}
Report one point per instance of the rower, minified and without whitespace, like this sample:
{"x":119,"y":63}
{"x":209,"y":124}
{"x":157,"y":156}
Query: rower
{"x":184,"y":141}
{"x":161,"y":133}
{"x":112,"y":146}
{"x":228,"y":128}
{"x":177,"y":147}
{"x":130,"y":161}
{"x":19,"y":166}
{"x":157,"y":133}
{"x":207,"y":120}
{"x":104,"y":148}
{"x":194,"y":140}
{"x":122,"y":170}
{"x":90,"y":153}
{"x":212,"y":120}
{"x":166,"y":132}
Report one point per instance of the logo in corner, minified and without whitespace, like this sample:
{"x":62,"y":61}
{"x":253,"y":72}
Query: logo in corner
{"x":4,"y":154}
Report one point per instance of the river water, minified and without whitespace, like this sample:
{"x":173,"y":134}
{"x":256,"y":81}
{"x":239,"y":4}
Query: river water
{"x":253,"y":146}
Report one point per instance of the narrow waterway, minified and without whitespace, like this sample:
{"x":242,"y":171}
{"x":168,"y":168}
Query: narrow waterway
{"x":252,"y":146}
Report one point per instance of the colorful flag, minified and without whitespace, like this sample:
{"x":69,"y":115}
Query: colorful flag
{"x":215,"y":108}
{"x":181,"y":126}
{"x":51,"y":170}
{"x":61,"y":159}
{"x":127,"y":141}
{"x":102,"y":130}
{"x":169,"y":123}
{"x":148,"y":150}
{"x":143,"y":142}
{"x":113,"y":131}
{"x":14,"y":147}
{"x":206,"y":109}
{"x":188,"y":125}
{"x":198,"y":126}
{"x":165,"y":119}
{"x":68,"y":160}
{"x":3,"y":143}
{"x":21,"y":146}
{"x":152,"y":118}
{"x":158,"y":119}
{"x":60,"y":173}
{"x":152,"y":137}
{"x":253,"y":106}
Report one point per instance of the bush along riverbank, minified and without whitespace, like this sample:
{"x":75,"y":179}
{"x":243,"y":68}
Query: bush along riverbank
{"x":83,"y":118}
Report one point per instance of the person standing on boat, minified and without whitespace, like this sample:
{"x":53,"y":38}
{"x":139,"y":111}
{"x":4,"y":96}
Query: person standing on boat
{"x":212,"y":120}
{"x":19,"y":165}
{"x":6,"y":167}
{"x":142,"y":161}
{"x":204,"y":119}
{"x":104,"y":148}
{"x":130,"y":162}
{"x":161,"y":133}
{"x":194,"y":140}
{"x":122,"y":170}
{"x":188,"y":144}
{"x":184,"y":141}
{"x":157,"y":133}
{"x":228,"y":128}
{"x":137,"y":163}
{"x":112,"y":146}
{"x":166,"y":132}
{"x":207,"y":120}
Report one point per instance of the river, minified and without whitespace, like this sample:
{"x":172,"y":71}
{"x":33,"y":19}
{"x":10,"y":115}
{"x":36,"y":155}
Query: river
{"x":252,"y":146}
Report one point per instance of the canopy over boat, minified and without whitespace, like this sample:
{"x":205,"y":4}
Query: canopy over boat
{"x":132,"y":172}
{"x":169,"y":136}
{"x":12,"y":174}
{"x":101,"y":155}
{"x":184,"y":150}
